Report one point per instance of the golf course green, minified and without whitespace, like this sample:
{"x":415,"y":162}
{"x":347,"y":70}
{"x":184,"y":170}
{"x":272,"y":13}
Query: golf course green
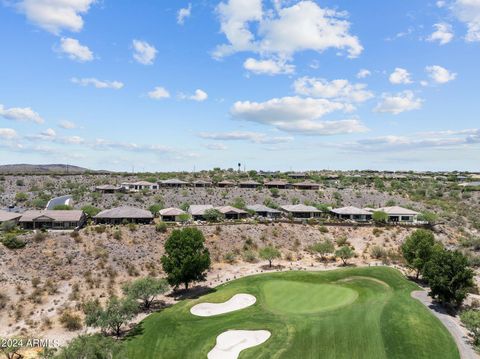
{"x":346,"y":313}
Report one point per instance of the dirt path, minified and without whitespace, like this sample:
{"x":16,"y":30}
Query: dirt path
{"x":458,"y":332}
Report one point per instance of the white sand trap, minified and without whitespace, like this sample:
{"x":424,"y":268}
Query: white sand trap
{"x":232,"y":342}
{"x":237,"y":302}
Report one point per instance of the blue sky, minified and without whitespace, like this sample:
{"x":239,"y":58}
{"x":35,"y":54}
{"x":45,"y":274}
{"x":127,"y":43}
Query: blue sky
{"x":288,"y":85}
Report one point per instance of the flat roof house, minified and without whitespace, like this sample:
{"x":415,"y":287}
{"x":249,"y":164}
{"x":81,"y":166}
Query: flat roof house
{"x":306,"y":186}
{"x":174,"y":183}
{"x":140,"y":185}
{"x":249,"y":184}
{"x":171,"y":214}
{"x":301,"y":211}
{"x":352,"y":213}
{"x":298,"y":175}
{"x":264,"y":211}
{"x":6,"y":216}
{"x":277,"y":184}
{"x":398,"y":214}
{"x":198,"y":210}
{"x":232,"y":213}
{"x":49,"y":219}
{"x":121,"y":215}
{"x":108,"y":188}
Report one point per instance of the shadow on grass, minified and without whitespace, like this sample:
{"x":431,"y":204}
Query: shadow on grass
{"x":192,"y":293}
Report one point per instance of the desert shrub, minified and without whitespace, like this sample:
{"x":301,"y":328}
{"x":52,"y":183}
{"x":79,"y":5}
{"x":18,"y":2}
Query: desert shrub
{"x":39,"y":236}
{"x":132,"y":227}
{"x":62,"y":207}
{"x":229,"y":257}
{"x":341,"y":241}
{"x":378,"y":252}
{"x":377,"y":232}
{"x":70,"y":321}
{"x":323,"y":229}
{"x":250,"y":256}
{"x":117,"y":234}
{"x":21,"y":197}
{"x":8,"y":226}
{"x":12,"y":242}
{"x":101,"y":229}
{"x":161,"y":227}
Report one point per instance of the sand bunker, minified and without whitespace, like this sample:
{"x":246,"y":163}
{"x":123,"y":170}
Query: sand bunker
{"x":237,"y":302}
{"x":232,"y":342}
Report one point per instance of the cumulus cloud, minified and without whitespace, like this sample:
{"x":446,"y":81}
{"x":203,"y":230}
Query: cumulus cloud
{"x":363,"y":73}
{"x":159,"y":93}
{"x":336,"y":89}
{"x":268,"y":66}
{"x":398,"y":103}
{"x":99,"y":84}
{"x":278,"y":32}
{"x":440,"y":75}
{"x":74,"y":50}
{"x":253,"y":137}
{"x":143,"y":52}
{"x":443,"y":33}
{"x":216,"y":146}
{"x":468,"y":12}
{"x":20,"y":114}
{"x":8,"y":133}
{"x":400,"y":77}
{"x":298,"y":115}
{"x":198,"y":96}
{"x":67,"y":125}
{"x":56,"y":15}
{"x":183,"y":14}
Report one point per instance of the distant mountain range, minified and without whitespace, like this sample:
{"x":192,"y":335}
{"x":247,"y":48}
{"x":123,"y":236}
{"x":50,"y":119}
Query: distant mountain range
{"x":49,"y":168}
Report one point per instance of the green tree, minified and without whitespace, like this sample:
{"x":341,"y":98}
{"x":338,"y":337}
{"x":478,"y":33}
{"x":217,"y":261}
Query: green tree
{"x":185,"y":206}
{"x":429,"y":217}
{"x":186,"y":258}
{"x":91,"y":211}
{"x":448,"y":276}
{"x":116,"y":313}
{"x":21,"y":197}
{"x":145,"y":289}
{"x":471,"y":320}
{"x":213,"y":215}
{"x":155,"y":209}
{"x":92,"y":347}
{"x":62,"y":207}
{"x":239,"y":203}
{"x":269,"y":253}
{"x":380,"y":217}
{"x":418,"y":248}
{"x":323,"y":248}
{"x":344,"y":253}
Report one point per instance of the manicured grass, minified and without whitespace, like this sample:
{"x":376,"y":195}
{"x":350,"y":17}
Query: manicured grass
{"x":347,"y":313}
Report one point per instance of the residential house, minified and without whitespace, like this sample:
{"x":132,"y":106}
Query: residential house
{"x":171,"y":214}
{"x":232,"y":213}
{"x":277,"y":184}
{"x":140,"y":185}
{"x":108,"y":188}
{"x":301,"y":211}
{"x":398,"y":214}
{"x":298,"y":175}
{"x":352,"y":213}
{"x":249,"y":184}
{"x":225,"y":183}
{"x":174,"y":183}
{"x":201,"y":183}
{"x":125,"y":214}
{"x":53,"y":219}
{"x":197,"y":211}
{"x":264,"y":211}
{"x":306,"y":186}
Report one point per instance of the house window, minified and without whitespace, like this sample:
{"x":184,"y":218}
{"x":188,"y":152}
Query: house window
{"x":405,"y":218}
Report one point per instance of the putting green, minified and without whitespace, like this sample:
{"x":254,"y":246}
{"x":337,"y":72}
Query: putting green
{"x":351,"y":313}
{"x":302,"y":298}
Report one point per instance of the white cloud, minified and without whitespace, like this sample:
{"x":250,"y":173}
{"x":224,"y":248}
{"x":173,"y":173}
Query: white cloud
{"x":99,"y":84}
{"x":298,"y":115}
{"x":278,"y":31}
{"x":468,"y":11}
{"x":68,"y":125}
{"x":8,"y":133}
{"x":144,"y":53}
{"x":336,"y":89}
{"x":216,"y":146}
{"x":268,"y":67}
{"x":159,"y":93}
{"x":56,"y":15}
{"x":443,"y":33}
{"x":49,"y":133}
{"x":199,"y":96}
{"x":398,"y":103}
{"x":363,"y":73}
{"x":183,"y":14}
{"x":440,"y":75}
{"x":74,"y":50}
{"x":72,"y":140}
{"x":440,"y":3}
{"x":20,"y":114}
{"x":400,"y":76}
{"x":253,"y":137}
